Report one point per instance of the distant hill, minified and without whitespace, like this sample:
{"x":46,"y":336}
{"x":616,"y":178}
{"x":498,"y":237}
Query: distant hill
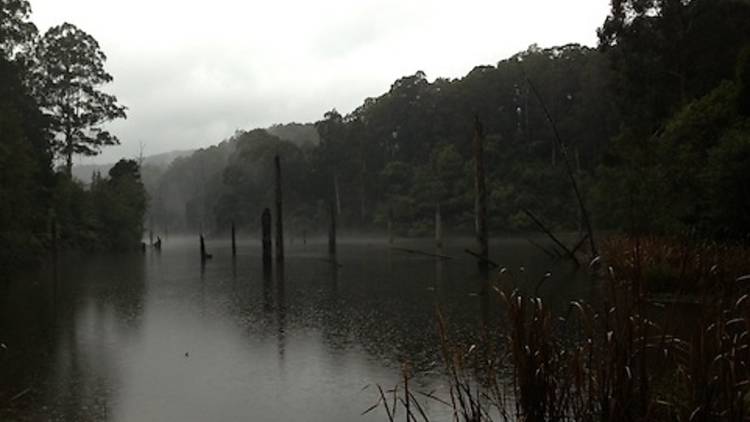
{"x":299,"y":134}
{"x":84,"y":172}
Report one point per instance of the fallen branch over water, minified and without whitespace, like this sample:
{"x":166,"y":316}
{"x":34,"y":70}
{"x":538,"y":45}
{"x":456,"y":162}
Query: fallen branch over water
{"x":481,"y":258}
{"x":546,"y":231}
{"x":414,"y":251}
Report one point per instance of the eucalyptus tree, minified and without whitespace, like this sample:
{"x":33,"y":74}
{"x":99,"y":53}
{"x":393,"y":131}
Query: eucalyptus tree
{"x":17,"y":32}
{"x":69,"y":77}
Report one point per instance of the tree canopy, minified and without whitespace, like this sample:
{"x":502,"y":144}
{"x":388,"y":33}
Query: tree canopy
{"x":69,"y":75}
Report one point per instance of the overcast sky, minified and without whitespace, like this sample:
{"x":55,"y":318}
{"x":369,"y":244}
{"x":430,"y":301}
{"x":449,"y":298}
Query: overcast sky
{"x":191,"y":72}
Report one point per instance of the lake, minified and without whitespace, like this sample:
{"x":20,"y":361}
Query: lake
{"x":159,"y":337}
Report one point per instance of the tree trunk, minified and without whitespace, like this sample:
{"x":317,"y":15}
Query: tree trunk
{"x":337,"y":193}
{"x":266,"y":236}
{"x":279,"y":218}
{"x":68,"y":151}
{"x":480,"y":193}
{"x":332,"y":232}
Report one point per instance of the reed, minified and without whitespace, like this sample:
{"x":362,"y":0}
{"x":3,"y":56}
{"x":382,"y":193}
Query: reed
{"x":621,"y":358}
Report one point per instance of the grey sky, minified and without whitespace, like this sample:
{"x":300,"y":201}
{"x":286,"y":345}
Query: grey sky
{"x":193,"y":72}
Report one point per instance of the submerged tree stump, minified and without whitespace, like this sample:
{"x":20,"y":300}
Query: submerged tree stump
{"x":279,"y":218}
{"x":266,"y":238}
{"x":332,"y":232}
{"x":204,"y":255}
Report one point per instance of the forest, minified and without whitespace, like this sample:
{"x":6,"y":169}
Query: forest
{"x":653,"y":122}
{"x":640,"y":143}
{"x":52,"y":108}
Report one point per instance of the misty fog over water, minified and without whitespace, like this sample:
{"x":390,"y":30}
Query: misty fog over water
{"x":127,"y":338}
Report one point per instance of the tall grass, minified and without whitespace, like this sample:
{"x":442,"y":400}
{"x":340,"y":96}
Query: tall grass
{"x":623,"y":358}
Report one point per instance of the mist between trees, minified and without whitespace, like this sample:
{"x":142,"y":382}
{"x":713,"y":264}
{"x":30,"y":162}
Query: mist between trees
{"x":654,"y":122}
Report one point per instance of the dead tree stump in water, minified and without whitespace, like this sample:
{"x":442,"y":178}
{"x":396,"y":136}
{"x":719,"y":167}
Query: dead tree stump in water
{"x":480,"y":192}
{"x":266,"y":238}
{"x":204,"y":255}
{"x":279,"y":219}
{"x":332,"y":232}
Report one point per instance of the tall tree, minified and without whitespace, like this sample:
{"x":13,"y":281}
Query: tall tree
{"x":69,"y":76}
{"x":17,"y":32}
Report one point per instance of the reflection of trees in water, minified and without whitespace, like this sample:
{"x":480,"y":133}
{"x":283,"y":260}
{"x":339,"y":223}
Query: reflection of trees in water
{"x":281,"y":312}
{"x":61,"y":329}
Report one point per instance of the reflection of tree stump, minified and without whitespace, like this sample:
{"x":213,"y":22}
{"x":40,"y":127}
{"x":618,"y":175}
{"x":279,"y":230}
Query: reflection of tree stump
{"x":266,"y":236}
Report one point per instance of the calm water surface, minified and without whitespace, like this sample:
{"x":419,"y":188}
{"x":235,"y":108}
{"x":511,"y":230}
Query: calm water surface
{"x":158,"y":337}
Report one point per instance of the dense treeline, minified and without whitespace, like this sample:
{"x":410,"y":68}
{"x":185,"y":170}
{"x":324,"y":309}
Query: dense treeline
{"x":652,"y":122}
{"x":408,"y":150}
{"x":51,"y":108}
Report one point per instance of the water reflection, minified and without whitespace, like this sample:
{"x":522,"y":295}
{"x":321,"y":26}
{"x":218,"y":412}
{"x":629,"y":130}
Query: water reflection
{"x":168,"y":337}
{"x":281,"y":312}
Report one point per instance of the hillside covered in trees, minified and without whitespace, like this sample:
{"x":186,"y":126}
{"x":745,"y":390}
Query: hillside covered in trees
{"x":653,"y":123}
{"x":51,"y":109}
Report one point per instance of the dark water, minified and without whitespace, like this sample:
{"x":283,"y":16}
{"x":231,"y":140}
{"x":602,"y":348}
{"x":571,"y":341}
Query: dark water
{"x":156,"y":337}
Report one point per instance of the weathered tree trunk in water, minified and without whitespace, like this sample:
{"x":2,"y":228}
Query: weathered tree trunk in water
{"x":279,"y":218}
{"x":362,"y":192}
{"x":332,"y":232}
{"x":438,"y":226}
{"x":480,"y":192}
{"x":234,"y":242}
{"x":337,"y":193}
{"x":203,"y":249}
{"x":266,"y":236}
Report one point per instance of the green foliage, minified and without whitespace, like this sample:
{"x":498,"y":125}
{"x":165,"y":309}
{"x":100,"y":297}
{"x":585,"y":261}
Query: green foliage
{"x":68,"y":76}
{"x":676,"y":166}
{"x":106,"y":216}
{"x":24,"y":171}
{"x":16,"y":31}
{"x":409,"y":150}
{"x":63,"y":68}
{"x":120,"y":202}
